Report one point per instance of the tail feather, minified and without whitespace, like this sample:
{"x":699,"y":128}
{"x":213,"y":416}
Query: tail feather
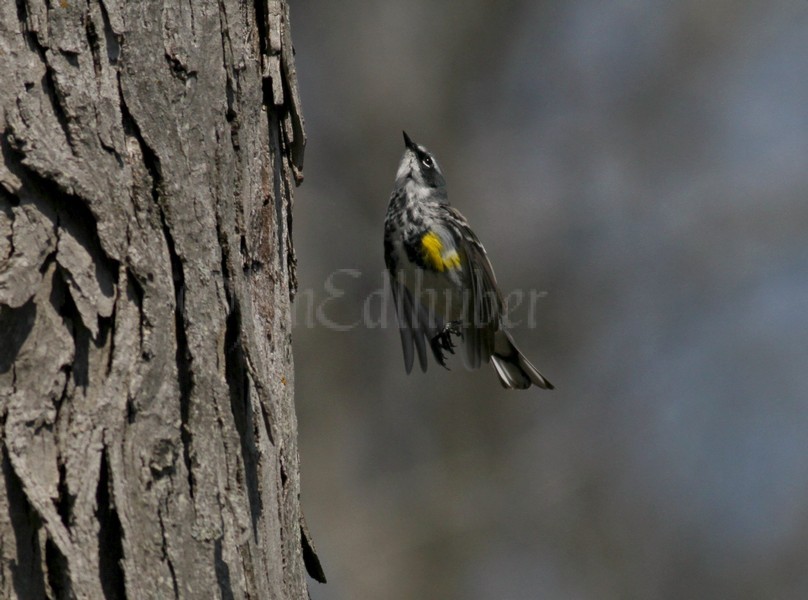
{"x":513,"y":369}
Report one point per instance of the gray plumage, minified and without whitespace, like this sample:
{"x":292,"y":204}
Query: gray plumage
{"x":442,"y":281}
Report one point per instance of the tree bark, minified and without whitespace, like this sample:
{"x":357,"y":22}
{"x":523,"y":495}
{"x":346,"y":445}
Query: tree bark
{"x":149,"y":152}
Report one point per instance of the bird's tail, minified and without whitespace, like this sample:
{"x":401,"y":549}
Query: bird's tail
{"x":513,"y":369}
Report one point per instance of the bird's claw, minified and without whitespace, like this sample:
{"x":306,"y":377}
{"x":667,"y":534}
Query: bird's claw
{"x":442,"y":342}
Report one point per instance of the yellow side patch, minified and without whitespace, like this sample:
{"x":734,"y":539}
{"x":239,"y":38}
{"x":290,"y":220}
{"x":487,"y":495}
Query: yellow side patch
{"x":432,"y":249}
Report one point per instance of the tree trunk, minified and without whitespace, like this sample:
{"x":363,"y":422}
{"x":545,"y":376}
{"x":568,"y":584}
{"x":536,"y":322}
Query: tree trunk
{"x":149,"y":151}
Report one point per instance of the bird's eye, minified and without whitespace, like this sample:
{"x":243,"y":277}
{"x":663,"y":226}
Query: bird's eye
{"x":427,"y":160}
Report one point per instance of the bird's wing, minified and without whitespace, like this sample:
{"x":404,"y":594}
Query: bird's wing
{"x":410,"y":325}
{"x":410,"y":319}
{"x":485,"y":304}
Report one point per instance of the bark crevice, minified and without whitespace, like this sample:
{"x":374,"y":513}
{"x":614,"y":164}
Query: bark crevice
{"x":183,"y":356}
{"x":57,"y":570}
{"x":110,"y":537}
{"x":26,"y":569}
{"x":241,"y":408}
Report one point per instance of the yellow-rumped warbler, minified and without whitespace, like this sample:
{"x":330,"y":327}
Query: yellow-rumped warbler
{"x":441,"y":278}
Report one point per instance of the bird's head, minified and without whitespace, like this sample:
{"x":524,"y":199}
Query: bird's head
{"x":419,"y":167}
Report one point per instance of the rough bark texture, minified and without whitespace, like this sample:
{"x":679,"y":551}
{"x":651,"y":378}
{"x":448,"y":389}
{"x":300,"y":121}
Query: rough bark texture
{"x":149,"y":152}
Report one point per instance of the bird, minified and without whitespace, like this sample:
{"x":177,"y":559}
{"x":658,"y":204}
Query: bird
{"x":443,"y":284}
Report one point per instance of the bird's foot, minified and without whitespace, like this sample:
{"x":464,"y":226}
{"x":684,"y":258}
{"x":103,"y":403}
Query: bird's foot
{"x":442,"y":342}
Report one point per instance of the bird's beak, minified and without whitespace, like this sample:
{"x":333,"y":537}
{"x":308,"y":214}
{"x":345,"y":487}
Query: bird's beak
{"x":408,"y":142}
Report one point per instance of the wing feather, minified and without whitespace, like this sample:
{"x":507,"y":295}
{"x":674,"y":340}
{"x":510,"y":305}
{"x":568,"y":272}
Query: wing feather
{"x":405,"y":332}
{"x":485,"y":304}
{"x":410,"y":325}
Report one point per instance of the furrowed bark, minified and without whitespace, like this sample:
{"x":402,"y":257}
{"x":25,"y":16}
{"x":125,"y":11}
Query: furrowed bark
{"x":149,"y":155}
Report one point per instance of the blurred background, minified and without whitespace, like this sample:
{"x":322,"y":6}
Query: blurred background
{"x":642,"y":166}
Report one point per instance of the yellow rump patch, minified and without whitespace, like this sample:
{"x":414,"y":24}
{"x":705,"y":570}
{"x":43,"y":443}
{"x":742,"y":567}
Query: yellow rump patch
{"x":432,"y":249}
